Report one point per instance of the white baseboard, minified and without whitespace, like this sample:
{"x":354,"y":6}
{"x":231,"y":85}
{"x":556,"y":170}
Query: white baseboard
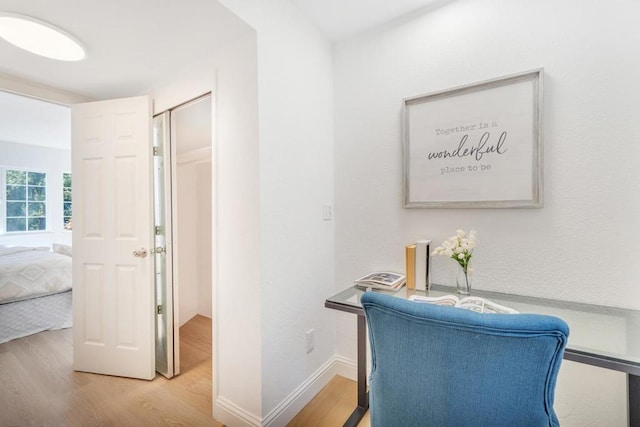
{"x":233,"y":416}
{"x":346,"y":367}
{"x":289,"y":407}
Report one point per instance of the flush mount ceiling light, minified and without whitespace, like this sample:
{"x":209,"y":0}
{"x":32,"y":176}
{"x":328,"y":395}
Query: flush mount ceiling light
{"x":39,"y":37}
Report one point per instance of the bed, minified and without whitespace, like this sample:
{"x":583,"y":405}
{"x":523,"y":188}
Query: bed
{"x":35,"y":290}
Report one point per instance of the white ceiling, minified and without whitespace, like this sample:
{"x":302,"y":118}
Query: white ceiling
{"x":131,"y":45}
{"x":137,"y":45}
{"x":341,"y":19}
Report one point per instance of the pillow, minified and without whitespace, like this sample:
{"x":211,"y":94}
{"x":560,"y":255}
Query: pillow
{"x":61,"y":248}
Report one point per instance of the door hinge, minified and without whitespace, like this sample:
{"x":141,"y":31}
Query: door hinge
{"x":159,"y":309}
{"x":156,"y":151}
{"x":158,"y":230}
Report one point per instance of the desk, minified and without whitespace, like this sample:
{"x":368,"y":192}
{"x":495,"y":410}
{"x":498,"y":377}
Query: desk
{"x":601,"y":336}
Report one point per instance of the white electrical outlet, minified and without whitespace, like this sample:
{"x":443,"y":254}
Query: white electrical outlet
{"x":310,"y":340}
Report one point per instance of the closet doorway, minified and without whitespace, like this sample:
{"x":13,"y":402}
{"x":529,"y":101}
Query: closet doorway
{"x":183,"y":221}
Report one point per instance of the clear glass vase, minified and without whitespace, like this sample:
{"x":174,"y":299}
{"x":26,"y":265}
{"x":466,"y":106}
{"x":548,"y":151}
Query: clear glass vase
{"x":463,"y":280}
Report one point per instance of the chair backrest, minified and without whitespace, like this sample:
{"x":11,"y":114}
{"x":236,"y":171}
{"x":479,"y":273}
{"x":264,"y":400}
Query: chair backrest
{"x":442,"y":366}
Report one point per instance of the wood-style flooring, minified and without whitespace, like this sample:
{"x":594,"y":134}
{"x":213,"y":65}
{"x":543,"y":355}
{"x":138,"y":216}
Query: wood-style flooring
{"x":38,"y":386}
{"x":331,"y":407}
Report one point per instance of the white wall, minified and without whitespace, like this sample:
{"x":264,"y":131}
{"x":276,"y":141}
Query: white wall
{"x":193,"y":275}
{"x":186,"y":274}
{"x":24,"y":155}
{"x":272,"y":275}
{"x":204,"y":242}
{"x":581,"y":245}
{"x":296,"y":179}
{"x":54,"y":162}
{"x":231,"y":75}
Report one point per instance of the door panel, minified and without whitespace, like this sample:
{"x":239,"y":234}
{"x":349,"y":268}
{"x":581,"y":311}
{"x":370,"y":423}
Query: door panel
{"x":113,"y":293}
{"x":167,"y":335}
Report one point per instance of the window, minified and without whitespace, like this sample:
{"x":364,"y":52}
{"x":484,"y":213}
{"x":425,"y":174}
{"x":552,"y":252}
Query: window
{"x":26,"y":196}
{"x":66,"y":200}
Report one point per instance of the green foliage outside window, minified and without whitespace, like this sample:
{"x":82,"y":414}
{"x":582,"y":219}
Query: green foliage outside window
{"x":66,"y":198}
{"x":16,"y":209}
{"x":16,"y":192}
{"x":16,"y":178}
{"x":34,"y":178}
{"x":26,"y":195}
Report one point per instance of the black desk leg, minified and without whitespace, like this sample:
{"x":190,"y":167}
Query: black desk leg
{"x":634,"y":399}
{"x":363,"y":396}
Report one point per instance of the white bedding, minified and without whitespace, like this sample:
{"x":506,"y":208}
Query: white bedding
{"x":30,"y":272}
{"x":22,"y":318}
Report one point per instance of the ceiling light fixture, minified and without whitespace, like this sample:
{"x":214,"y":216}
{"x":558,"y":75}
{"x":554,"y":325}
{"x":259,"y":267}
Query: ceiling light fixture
{"x":40,"y":37}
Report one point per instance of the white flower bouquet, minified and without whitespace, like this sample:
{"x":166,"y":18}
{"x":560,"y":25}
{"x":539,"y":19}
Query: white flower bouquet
{"x":460,"y":248}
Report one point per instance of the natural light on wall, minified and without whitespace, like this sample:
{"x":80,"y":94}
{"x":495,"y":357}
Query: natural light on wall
{"x":39,"y":37}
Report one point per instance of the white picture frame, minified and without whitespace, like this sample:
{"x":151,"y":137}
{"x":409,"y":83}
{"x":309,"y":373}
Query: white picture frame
{"x":475,"y":146}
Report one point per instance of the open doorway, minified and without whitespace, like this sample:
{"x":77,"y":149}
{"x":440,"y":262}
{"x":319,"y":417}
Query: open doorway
{"x":183,"y":274}
{"x":191,"y":135}
{"x":191,"y":131}
{"x":35,"y":216}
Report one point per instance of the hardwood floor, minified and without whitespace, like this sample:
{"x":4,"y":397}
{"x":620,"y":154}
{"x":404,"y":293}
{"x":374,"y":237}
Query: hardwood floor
{"x":39,"y":388}
{"x":331,"y":406}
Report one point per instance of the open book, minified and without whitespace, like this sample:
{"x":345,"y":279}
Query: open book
{"x":382,"y":280}
{"x":478,"y":304}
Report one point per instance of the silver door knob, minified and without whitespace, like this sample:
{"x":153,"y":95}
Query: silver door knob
{"x":140,"y":253}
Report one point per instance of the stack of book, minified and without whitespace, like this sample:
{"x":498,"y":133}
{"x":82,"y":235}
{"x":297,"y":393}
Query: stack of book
{"x":417,"y":265}
{"x":384,"y":280}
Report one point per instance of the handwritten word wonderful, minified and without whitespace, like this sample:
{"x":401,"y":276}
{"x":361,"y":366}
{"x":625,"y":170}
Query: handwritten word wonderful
{"x":477,"y":152}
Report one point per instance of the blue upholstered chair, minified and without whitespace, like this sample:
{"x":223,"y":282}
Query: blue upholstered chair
{"x":443,"y":366}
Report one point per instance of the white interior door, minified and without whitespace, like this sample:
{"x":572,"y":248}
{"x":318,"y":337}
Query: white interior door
{"x":113,"y":287}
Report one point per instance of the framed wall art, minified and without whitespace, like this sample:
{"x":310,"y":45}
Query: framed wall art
{"x":475,"y":146}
